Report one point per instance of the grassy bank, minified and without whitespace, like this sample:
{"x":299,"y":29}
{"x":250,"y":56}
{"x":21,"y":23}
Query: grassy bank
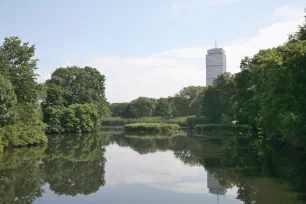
{"x":151,"y":128}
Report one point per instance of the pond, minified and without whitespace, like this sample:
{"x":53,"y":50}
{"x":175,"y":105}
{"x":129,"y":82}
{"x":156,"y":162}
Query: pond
{"x":109,"y":167}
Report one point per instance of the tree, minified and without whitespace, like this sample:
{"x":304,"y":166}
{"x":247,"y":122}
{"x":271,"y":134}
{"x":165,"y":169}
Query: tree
{"x":163,"y":108}
{"x":217,"y":98}
{"x":212,"y":107}
{"x":74,"y":85}
{"x":75,"y":100}
{"x":117,"y":109}
{"x":7,"y":102}
{"x":282,"y":79}
{"x":187,"y":101}
{"x":18,"y":65}
{"x":140,"y":107}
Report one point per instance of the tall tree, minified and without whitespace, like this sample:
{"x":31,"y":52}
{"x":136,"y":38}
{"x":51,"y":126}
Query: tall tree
{"x":17,"y":63}
{"x":75,"y":85}
{"x":217,"y":98}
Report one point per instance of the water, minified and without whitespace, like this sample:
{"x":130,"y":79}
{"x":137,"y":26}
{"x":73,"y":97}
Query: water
{"x":108,"y":167}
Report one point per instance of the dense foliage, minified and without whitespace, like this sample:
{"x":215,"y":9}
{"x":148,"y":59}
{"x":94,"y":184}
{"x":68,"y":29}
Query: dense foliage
{"x":75,"y":100}
{"x":155,"y":128}
{"x":20,"y":114}
{"x":74,"y":118}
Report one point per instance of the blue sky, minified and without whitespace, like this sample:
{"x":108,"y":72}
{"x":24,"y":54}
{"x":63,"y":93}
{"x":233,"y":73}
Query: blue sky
{"x":147,"y":47}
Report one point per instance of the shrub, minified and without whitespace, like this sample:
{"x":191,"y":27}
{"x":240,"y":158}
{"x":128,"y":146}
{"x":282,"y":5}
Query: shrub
{"x":223,"y":127}
{"x":21,"y":134}
{"x":155,"y":128}
{"x":74,"y":118}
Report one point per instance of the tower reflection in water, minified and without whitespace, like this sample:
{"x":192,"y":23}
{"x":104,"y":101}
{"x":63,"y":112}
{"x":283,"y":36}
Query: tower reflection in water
{"x":214,"y":186}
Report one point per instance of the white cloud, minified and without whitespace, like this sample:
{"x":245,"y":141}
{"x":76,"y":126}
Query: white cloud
{"x":289,"y":12}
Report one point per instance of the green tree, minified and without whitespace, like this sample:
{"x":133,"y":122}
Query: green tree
{"x":163,"y":108}
{"x":140,"y":107}
{"x":245,"y":104}
{"x":75,"y":100}
{"x":281,"y":81}
{"x":187,"y":101}
{"x":217,"y":98}
{"x":18,"y":65}
{"x":117,"y":109}
{"x":74,"y":85}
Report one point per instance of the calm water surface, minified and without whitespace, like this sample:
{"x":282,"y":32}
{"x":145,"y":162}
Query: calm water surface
{"x":108,"y":167}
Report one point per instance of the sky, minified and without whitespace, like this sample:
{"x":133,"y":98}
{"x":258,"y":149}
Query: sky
{"x":149,"y":48}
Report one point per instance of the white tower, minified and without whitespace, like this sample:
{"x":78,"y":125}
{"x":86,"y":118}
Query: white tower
{"x":215,"y":64}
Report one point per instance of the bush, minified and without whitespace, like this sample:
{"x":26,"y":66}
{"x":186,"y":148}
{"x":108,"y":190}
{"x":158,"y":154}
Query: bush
{"x":223,"y":127}
{"x":74,"y":118}
{"x":155,"y":128}
{"x":21,"y":134}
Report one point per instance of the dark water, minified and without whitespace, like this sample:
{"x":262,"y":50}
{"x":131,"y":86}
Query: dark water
{"x":107,"y":167}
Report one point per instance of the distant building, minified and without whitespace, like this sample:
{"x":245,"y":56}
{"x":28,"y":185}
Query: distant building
{"x":215,"y":64}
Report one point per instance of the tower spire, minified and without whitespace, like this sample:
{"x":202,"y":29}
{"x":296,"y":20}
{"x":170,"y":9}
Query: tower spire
{"x":215,"y":43}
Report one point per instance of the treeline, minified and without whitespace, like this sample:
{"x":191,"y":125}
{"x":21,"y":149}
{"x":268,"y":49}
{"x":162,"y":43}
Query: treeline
{"x":185,"y":103}
{"x":268,"y":93}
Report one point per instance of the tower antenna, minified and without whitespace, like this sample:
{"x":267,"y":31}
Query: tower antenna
{"x":215,"y":43}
